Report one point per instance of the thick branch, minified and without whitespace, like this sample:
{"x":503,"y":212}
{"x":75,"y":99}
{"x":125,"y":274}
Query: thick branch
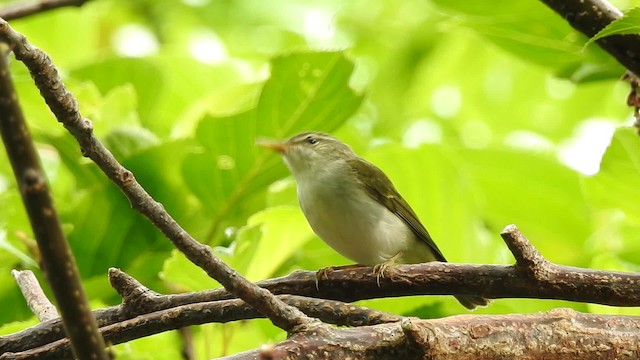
{"x":57,"y":260}
{"x":591,"y":16}
{"x":32,"y":292}
{"x":561,"y":334}
{"x":64,"y":106}
{"x":22,"y":10}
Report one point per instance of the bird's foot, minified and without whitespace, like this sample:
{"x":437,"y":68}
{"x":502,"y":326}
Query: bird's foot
{"x":385,"y":269}
{"x":324,"y":272}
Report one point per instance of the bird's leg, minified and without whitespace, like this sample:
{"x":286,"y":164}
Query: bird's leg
{"x":381,"y":269}
{"x":324,"y":272}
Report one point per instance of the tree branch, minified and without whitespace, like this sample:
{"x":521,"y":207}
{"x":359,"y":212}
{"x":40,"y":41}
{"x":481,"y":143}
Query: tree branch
{"x":58,"y":263}
{"x":32,"y":292}
{"x":223,"y":311}
{"x":22,"y":10}
{"x":560,"y":334}
{"x":65,"y":108}
{"x":591,"y":16}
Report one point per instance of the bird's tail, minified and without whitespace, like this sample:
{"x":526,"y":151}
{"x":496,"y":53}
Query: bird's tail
{"x":471,"y":301}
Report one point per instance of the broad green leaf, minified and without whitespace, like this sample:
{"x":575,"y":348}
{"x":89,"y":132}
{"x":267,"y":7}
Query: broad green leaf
{"x":614,"y":186}
{"x":118,"y":108}
{"x":305,"y":91}
{"x":269,"y":239}
{"x":440,"y":194}
{"x":106,"y":232}
{"x":283,"y":230}
{"x":148,"y":347}
{"x":124,"y":141}
{"x":629,"y":23}
{"x":165,"y":86}
{"x":142,"y":74}
{"x":522,"y":188}
{"x":536,"y":34}
{"x":14,"y":251}
{"x":518,"y":27}
{"x":182,"y":275}
{"x":13,"y":327}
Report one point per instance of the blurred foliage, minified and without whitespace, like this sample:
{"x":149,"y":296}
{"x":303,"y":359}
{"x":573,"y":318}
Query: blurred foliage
{"x":482,"y":115}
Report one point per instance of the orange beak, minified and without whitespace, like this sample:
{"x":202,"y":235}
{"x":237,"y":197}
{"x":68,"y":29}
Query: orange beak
{"x":278,"y":147}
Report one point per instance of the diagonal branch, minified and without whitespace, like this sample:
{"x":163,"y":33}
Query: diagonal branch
{"x":591,"y":16}
{"x":22,"y":10}
{"x":64,"y":106}
{"x":58,"y":263}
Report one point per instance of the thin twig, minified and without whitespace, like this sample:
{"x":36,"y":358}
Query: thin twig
{"x":32,"y":292}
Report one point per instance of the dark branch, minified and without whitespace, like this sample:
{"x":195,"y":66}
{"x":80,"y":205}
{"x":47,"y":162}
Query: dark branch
{"x":57,"y":260}
{"x":591,"y":16}
{"x":223,"y":311}
{"x":65,"y":108}
{"x":23,"y":10}
{"x":32,"y":292}
{"x":561,"y":334}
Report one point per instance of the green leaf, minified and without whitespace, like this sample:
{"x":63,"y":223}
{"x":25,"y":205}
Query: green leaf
{"x":269,"y":238}
{"x":305,"y":91}
{"x":442,"y":197}
{"x":183,"y":275}
{"x":165,"y":86}
{"x":118,"y":108}
{"x":614,"y":186}
{"x":521,"y":188}
{"x":13,"y":250}
{"x":526,"y":29}
{"x":283,"y":230}
{"x":107,"y":232}
{"x":142,"y":74}
{"x":147,"y":347}
{"x":124,"y":141}
{"x":629,"y":23}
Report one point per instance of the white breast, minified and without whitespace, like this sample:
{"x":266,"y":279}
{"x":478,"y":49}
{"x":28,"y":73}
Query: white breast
{"x":353,"y":223}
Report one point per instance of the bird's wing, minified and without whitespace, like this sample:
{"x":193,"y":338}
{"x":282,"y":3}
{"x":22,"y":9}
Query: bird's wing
{"x":373,"y":179}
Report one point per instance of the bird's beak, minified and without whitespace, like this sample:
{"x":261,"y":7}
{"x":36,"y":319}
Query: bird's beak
{"x":279,"y":147}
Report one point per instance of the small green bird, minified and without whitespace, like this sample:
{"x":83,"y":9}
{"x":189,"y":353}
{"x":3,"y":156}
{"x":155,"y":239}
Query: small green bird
{"x":354,"y":208}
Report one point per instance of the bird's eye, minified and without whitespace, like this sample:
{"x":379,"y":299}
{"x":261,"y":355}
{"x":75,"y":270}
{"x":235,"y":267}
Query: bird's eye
{"x":311,"y":140}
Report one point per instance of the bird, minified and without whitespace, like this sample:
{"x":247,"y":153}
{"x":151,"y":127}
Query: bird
{"x":354,"y":207}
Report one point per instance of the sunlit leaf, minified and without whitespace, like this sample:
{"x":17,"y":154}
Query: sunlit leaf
{"x":516,"y":187}
{"x":305,"y":91}
{"x":614,"y":186}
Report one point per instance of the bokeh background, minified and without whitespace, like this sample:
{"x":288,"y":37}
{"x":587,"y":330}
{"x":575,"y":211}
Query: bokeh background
{"x":483,"y":115}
